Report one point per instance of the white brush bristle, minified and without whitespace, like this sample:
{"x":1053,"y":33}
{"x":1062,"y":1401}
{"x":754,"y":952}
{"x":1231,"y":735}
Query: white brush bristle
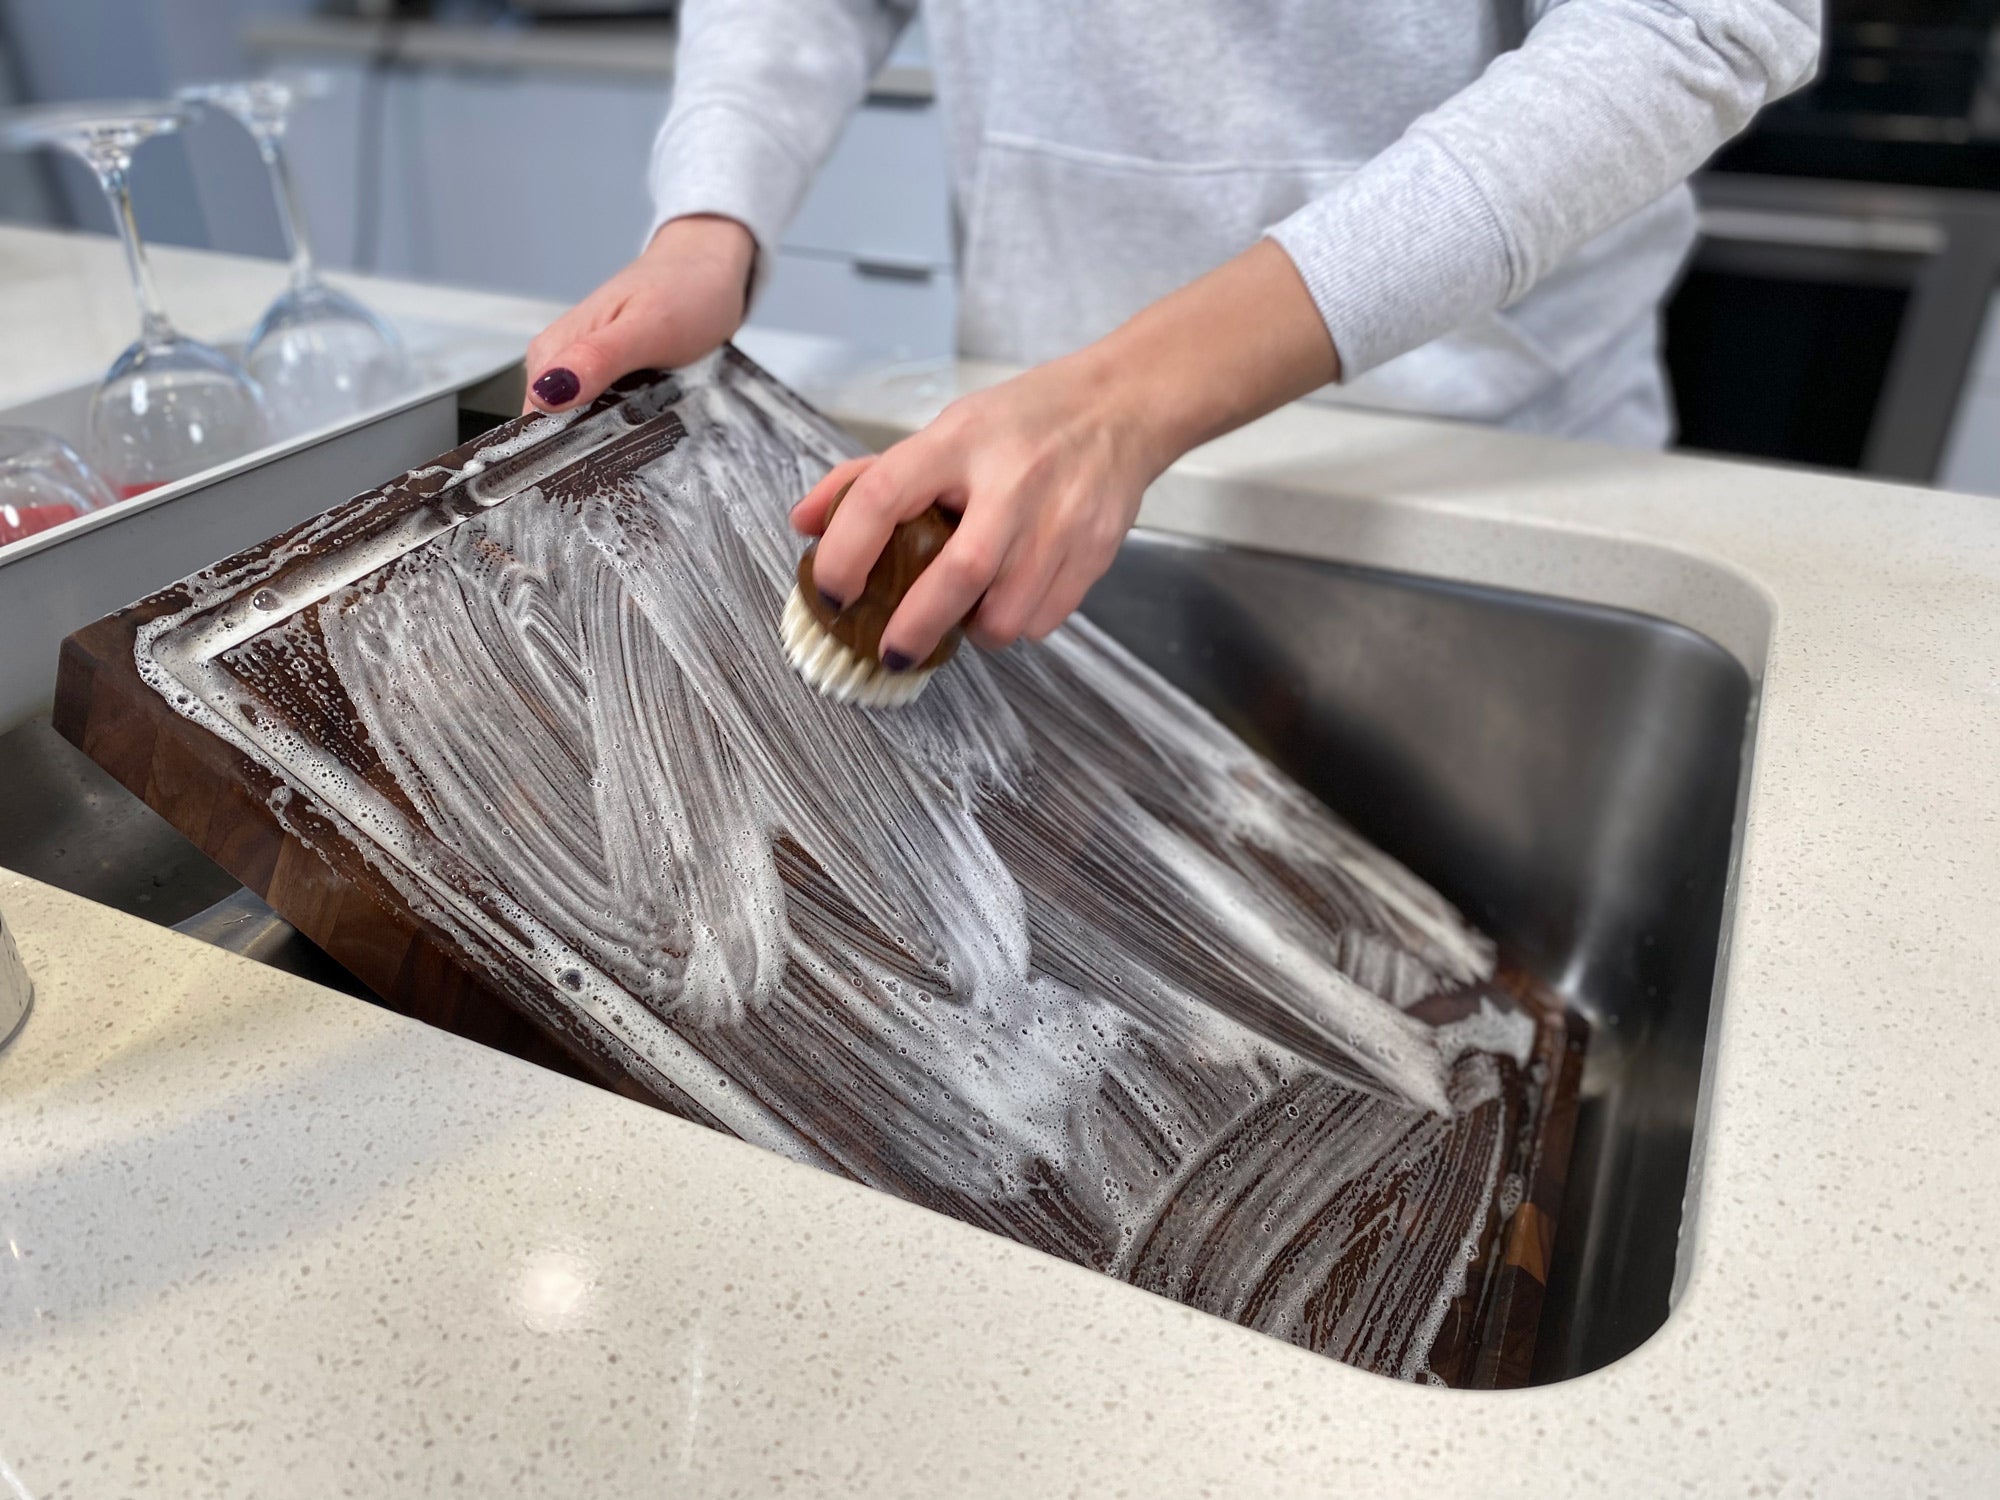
{"x":842,"y":675}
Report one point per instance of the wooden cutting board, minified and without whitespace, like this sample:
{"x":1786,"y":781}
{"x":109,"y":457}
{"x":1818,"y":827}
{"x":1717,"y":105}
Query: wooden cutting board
{"x":513,"y":738}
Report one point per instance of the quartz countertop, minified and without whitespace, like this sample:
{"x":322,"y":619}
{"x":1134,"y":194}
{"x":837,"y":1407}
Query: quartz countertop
{"x":257,"y":1237}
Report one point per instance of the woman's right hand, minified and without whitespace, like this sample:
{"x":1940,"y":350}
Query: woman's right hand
{"x":683,"y":296}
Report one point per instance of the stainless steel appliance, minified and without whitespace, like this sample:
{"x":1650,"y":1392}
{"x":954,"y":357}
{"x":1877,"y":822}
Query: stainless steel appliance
{"x":1850,"y":250}
{"x":17,"y":990}
{"x":1831,"y":322}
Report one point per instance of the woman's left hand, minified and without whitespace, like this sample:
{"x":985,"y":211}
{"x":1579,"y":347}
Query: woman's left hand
{"x":1046,"y":470}
{"x":1046,"y":477}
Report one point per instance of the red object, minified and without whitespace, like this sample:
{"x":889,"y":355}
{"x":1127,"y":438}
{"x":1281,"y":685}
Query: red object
{"x":17,"y":521}
{"x":127,"y":491}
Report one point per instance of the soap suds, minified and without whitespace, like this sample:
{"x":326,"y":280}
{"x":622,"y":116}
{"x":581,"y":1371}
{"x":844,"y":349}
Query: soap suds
{"x":1049,"y":950}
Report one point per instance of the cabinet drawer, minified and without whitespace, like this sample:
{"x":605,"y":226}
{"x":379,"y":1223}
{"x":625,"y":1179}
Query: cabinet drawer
{"x":470,"y":185}
{"x":885,"y":191}
{"x":889,"y":307}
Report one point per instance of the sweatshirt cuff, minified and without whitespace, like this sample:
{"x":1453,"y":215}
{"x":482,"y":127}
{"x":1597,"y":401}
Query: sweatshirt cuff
{"x":715,"y":159}
{"x":1403,"y":251}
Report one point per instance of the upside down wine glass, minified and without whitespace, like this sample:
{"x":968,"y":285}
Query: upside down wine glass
{"x":320,"y":356}
{"x":43,"y":483}
{"x":169,"y":406}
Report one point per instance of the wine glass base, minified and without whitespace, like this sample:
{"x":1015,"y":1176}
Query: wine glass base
{"x":322,"y":358}
{"x":43,"y":483}
{"x":171,"y":407}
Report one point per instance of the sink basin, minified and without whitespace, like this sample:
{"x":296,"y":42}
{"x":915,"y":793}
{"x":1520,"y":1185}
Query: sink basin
{"x":1567,"y":774}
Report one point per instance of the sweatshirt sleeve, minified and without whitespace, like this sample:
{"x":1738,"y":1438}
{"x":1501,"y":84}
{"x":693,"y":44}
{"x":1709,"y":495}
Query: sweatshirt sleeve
{"x":761,"y":90}
{"x":1605,"y":106}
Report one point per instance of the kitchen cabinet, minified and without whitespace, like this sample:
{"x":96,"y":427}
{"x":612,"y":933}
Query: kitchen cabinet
{"x":893,"y":308}
{"x":1840,"y":325}
{"x":885,"y":192}
{"x":868,"y":259}
{"x":473,"y":177}
{"x":440,"y":154}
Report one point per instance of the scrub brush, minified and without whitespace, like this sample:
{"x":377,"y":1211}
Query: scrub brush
{"x":838,"y":651}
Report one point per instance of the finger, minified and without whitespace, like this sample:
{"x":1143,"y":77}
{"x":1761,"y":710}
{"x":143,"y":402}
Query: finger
{"x":1065,"y":596}
{"x":809,"y":515}
{"x":640,"y":334}
{"x":1015,"y":597}
{"x":891,"y":490}
{"x":578,"y":370}
{"x":946,"y":591}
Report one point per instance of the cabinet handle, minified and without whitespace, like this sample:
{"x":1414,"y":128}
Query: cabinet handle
{"x":894,"y":270}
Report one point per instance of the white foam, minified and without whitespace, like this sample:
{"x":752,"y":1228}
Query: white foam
{"x":583,"y":694}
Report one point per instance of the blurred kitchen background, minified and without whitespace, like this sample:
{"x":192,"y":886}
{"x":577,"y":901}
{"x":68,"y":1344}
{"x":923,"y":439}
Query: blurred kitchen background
{"x":1843,"y":308}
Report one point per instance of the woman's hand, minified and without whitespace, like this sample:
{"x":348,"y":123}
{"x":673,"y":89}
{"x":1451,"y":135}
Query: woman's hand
{"x":1047,"y":470}
{"x":682,"y":297}
{"x":1046,"y":478}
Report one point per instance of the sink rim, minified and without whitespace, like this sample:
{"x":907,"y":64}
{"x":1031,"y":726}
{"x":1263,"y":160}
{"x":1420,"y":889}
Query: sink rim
{"x":1745,"y":747}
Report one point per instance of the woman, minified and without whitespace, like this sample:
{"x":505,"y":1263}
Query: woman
{"x":1184,"y":213}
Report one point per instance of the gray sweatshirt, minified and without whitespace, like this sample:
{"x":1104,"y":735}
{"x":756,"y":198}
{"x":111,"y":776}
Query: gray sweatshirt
{"x":1486,"y":198}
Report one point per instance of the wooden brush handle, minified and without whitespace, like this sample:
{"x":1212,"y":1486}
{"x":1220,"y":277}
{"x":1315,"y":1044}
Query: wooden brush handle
{"x":912,"y":547}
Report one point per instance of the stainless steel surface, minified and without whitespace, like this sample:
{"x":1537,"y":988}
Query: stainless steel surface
{"x":65,"y":822}
{"x":1943,"y":244}
{"x":59,"y":581}
{"x":1567,"y":774}
{"x":47,"y":592}
{"x":17,"y":990}
{"x":241,"y":923}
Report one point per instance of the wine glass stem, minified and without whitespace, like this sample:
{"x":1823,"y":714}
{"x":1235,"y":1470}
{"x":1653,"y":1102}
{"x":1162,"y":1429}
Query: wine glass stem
{"x":116,"y":181}
{"x":289,"y":215}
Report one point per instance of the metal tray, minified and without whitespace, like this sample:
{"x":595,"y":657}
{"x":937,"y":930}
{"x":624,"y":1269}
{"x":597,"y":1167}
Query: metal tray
{"x":57,"y":580}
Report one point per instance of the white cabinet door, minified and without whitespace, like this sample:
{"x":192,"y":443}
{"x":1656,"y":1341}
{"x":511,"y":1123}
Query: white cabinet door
{"x":535,"y":182}
{"x":891,"y":309}
{"x":885,"y":192}
{"x":324,"y":141}
{"x":503,"y":179}
{"x":516,"y":182}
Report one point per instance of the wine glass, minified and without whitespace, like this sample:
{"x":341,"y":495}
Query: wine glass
{"x":321,"y":356}
{"x":169,"y":406}
{"x":43,"y":483}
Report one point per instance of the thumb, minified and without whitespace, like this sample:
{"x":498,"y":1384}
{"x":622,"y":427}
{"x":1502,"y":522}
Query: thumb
{"x":579,"y":371}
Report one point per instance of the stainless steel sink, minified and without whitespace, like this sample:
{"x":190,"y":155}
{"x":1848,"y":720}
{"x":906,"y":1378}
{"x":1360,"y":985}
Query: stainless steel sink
{"x":1567,"y":774}
{"x":67,"y":823}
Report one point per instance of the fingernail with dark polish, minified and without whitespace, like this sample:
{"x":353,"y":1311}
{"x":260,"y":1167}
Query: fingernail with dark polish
{"x":557,"y":387}
{"x":895,"y":661}
{"x":832,"y":601}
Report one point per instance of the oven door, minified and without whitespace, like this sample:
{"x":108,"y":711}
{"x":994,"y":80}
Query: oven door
{"x":1831,"y":323}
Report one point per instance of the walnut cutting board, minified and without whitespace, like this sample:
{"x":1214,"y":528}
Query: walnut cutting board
{"x":514,"y":739}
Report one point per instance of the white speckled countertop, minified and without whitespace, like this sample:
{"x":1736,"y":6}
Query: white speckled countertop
{"x":257,"y":1238}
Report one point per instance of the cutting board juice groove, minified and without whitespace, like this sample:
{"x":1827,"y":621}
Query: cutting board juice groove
{"x":1051,"y":951}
